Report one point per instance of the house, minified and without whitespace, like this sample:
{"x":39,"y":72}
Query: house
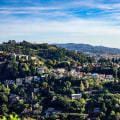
{"x":76,"y":96}
{"x":85,"y":65}
{"x":74,"y":69}
{"x":92,"y":67}
{"x":19,"y":81}
{"x":87,"y":75}
{"x":43,"y":77}
{"x":36,"y":90}
{"x":28,"y":79}
{"x":41,"y":69}
{"x":36,"y":105}
{"x":59,"y":76}
{"x":37,"y":111}
{"x":25,"y":57}
{"x":109,"y":77}
{"x":101,"y":77}
{"x":88,"y":92}
{"x":61,"y":70}
{"x":1,"y":53}
{"x":12,"y":56}
{"x":54,"y":98}
{"x":26,"y":111}
{"x":105,"y":67}
{"x":22,"y":56}
{"x":33,"y":58}
{"x":96,"y":110}
{"x":116,"y":66}
{"x":9,"y":82}
{"x":94,"y":75}
{"x":36,"y":78}
{"x":14,"y":98}
{"x":52,"y":111}
{"x":79,"y":68}
{"x":94,"y":91}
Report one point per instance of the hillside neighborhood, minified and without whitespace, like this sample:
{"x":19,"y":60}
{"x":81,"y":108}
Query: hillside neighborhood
{"x":46,"y":89}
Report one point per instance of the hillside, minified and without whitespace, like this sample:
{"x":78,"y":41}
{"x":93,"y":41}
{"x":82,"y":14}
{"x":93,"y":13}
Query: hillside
{"x":44,"y":50}
{"x":89,"y":48}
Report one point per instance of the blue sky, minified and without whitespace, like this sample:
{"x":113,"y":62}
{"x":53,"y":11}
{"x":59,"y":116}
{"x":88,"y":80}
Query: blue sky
{"x":95,"y":22}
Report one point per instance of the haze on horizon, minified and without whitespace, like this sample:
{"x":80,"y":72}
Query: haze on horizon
{"x":95,"y":22}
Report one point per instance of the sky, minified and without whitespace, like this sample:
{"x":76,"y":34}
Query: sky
{"x":95,"y":22}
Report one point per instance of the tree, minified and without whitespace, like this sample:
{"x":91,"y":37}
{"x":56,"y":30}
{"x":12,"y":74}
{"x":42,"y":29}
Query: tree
{"x":3,"y":98}
{"x":82,"y":86}
{"x":3,"y":118}
{"x":104,"y":108}
{"x":87,"y":84}
{"x":98,"y":118}
{"x":112,"y":115}
{"x":67,"y":84}
{"x":115,"y":72}
{"x":103,"y":116}
{"x":3,"y":109}
{"x":13,"y":116}
{"x":72,"y":63}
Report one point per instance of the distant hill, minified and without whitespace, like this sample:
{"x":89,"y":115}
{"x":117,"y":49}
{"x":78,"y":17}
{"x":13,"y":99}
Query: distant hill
{"x":85,"y":48}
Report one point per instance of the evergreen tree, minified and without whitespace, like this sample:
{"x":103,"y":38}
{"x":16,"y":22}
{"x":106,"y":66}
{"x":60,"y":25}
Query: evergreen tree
{"x":82,"y":86}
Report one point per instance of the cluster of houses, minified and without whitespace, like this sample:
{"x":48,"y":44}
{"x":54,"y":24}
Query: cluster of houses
{"x":19,"y":56}
{"x":59,"y":73}
{"x":28,"y":79}
{"x":82,"y":75}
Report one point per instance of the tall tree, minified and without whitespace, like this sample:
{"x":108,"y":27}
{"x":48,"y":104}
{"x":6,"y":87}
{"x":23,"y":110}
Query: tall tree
{"x":82,"y":86}
{"x":87,"y":84}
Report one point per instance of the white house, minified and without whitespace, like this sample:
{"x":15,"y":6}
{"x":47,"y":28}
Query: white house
{"x":62,"y":70}
{"x":19,"y":81}
{"x":33,"y":58}
{"x":76,"y":96}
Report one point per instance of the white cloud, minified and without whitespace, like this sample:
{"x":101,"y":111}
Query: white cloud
{"x":78,"y":26}
{"x":49,"y":22}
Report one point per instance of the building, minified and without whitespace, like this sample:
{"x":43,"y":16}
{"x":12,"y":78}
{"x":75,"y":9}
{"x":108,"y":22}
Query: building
{"x":23,"y":56}
{"x":36,"y":90}
{"x":41,"y":69}
{"x":95,"y":75}
{"x":28,"y":79}
{"x":33,"y":58}
{"x":52,"y":111}
{"x":76,"y":96}
{"x":9,"y":82}
{"x":36,"y":78}
{"x":109,"y":77}
{"x":19,"y":81}
{"x":101,"y":77}
{"x":61,"y":70}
